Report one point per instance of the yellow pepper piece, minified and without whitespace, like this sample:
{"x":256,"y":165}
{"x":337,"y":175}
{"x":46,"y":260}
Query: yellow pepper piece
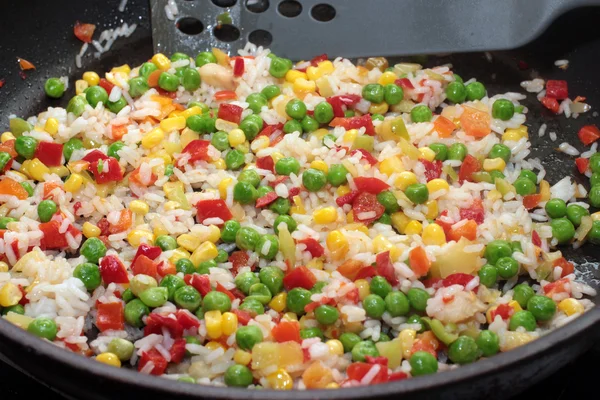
{"x":405,"y":179}
{"x":363,"y":287}
{"x":172,"y":124}
{"x":175,"y":192}
{"x":337,"y":244}
{"x":278,"y":302}
{"x":178,"y":254}
{"x":427,"y":153}
{"x":80,"y":86}
{"x":6,"y":136}
{"x":242,"y":357}
{"x":494,"y":164}
{"x":91,"y":78}
{"x":136,"y":236}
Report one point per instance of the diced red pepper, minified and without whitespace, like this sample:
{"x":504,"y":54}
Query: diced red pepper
{"x":230,"y":112}
{"x":469,"y":165}
{"x":397,"y":376}
{"x":404,"y":83}
{"x":53,"y":239}
{"x":556,"y":287}
{"x":318,"y":59}
{"x":350,"y":268}
{"x":370,"y":185}
{"x":106,"y":85}
{"x":426,"y":342}
{"x":366,"y":272}
{"x":363,"y":121}
{"x":419,"y":262}
{"x":432,"y":282}
{"x":503,"y":310}
{"x":2,"y":82}
{"x":347,"y":198}
{"x":458,"y":278}
{"x":84,"y":32}
{"x":588,"y":134}
{"x":159,"y":362}
{"x":433,"y":169}
{"x":551,"y":104}
{"x":337,"y":103}
{"x":299,"y":277}
{"x":271,"y":131}
{"x":557,"y":89}
{"x":381,"y":360}
{"x":225,"y":95}
{"x":144,"y":265}
{"x":197,"y":150}
{"x":266,"y":199}
{"x":243,"y":316}
{"x":152,"y":252}
{"x":365,"y":156}
{"x":238,"y":67}
{"x":357,"y":371}
{"x":367,"y":203}
{"x":155,"y":322}
{"x":278,"y":180}
{"x":567,"y":267}
{"x":475,"y":212}
{"x":535,"y":239}
{"x":110,"y":316}
{"x":215,"y":208}
{"x":531,"y":201}
{"x":313,"y":247}
{"x":582,"y":164}
{"x":112,"y":270}
{"x":239,"y":259}
{"x":385,"y":267}
{"x":295,"y":191}
{"x":224,"y":290}
{"x":105,"y":171}
{"x":49,"y":153}
{"x":134,"y":177}
{"x":266,"y":163}
{"x":286,"y":331}
{"x":177,"y":351}
{"x":186,"y":319}
{"x":94,"y":155}
{"x":200,"y":282}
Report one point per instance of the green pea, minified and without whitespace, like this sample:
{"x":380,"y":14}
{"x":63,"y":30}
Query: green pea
{"x":314,"y":179}
{"x":594,"y":196}
{"x":417,"y":298}
{"x":147,"y":68}
{"x":522,"y":293}
{"x":252,"y":125}
{"x":234,"y":159}
{"x":384,"y":219}
{"x":253,"y":306}
{"x":309,"y":124}
{"x":172,"y":283}
{"x":380,"y":286}
{"x":44,"y":328}
{"x":89,"y":274}
{"x":116,"y":106}
{"x":594,"y":233}
{"x":122,"y":348}
{"x":416,"y":320}
{"x":327,"y":139}
{"x":271,"y":91}
{"x":289,"y":221}
{"x":440,"y":150}
{"x":76,"y":105}
{"x":135,"y":310}
{"x":417,"y":193}
{"x":488,"y":274}
{"x":323,"y":112}
{"x":497,"y":249}
{"x":349,"y":340}
{"x":488,"y":343}
{"x":127,"y":295}
{"x":17,"y":309}
{"x":46,"y":209}
{"x":206,"y":57}
{"x":562,"y":229}
{"x":543,"y":308}
{"x":54,"y":88}
{"x":594,"y":162}
{"x":245,"y":280}
{"x":185,"y":266}
{"x":456,"y":92}
{"x":138,"y":86}
{"x":229,"y":231}
{"x":389,"y":201}
{"x":247,"y":238}
{"x":457,"y":151}
{"x":287,"y":166}
{"x":191,"y":79}
{"x":296,"y":109}
{"x":187,"y":297}
{"x":93,"y":249}
{"x":238,"y":376}
{"x":279,"y":67}
{"x":595,"y":179}
{"x":95,"y":95}
{"x":114,"y":149}
{"x":4,"y":221}
{"x":165,"y":242}
{"x":202,"y":106}
{"x":205,"y":266}
{"x":191,"y":340}
{"x":25,"y":146}
{"x":421,"y":113}
{"x":272,"y":278}
{"x":249,"y":176}
{"x":500,"y":151}
{"x":522,"y":318}
{"x":503,"y":109}
{"x":393,"y":94}
{"x":423,"y":363}
{"x":377,"y":117}
{"x":168,"y":82}
{"x":273,"y":247}
{"x":71,"y":145}
{"x":374,"y":305}
{"x":4,"y":160}
{"x":308,"y":333}
{"x":220,"y":141}
{"x":363,"y":349}
{"x":155,"y":297}
{"x":141,"y":282}
{"x":280,"y":206}
{"x":575,"y":212}
{"x":292,"y":126}
{"x":524,"y":186}
{"x":256,"y":101}
{"x":373,"y":92}
{"x":261,"y":293}
{"x":336,"y":175}
{"x":326,"y":315}
{"x":201,"y":123}
{"x":396,"y":303}
{"x":457,"y":78}
{"x":528,"y":174}
{"x":463,"y":350}
{"x":507,"y":267}
{"x":384,"y":337}
{"x":475,"y":91}
{"x":263,"y":191}
{"x":216,"y":301}
{"x":186,"y":379}
{"x":247,"y":336}
{"x":297,"y":299}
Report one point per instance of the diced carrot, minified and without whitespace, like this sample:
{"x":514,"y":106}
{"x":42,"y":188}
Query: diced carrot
{"x":13,"y":188}
{"x":118,"y":131}
{"x":350,"y":268}
{"x":9,"y":147}
{"x":317,"y":376}
{"x":419,"y":262}
{"x":123,"y":224}
{"x":25,"y":65}
{"x":153,"y":78}
{"x":467,"y":230}
{"x":475,"y":123}
{"x":443,"y":126}
{"x":49,"y":187}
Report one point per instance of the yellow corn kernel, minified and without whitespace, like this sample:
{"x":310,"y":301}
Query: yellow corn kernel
{"x":188,"y":135}
{"x":173,"y":124}
{"x":293,"y":74}
{"x":400,"y":221}
{"x":190,"y":111}
{"x":136,"y":236}
{"x":350,"y":135}
{"x":109,"y":359}
{"x":213,"y":345}
{"x":363,"y":287}
{"x":37,"y":169}
{"x":206,"y":251}
{"x":515,"y":134}
{"x":178,"y":254}
{"x":242,"y":357}
{"x":298,"y":207}
{"x":161,"y":61}
{"x":278,"y":302}
{"x":325,"y":215}
{"x":171,"y":205}
{"x":6,"y":136}
{"x":407,"y":339}
{"x":51,"y":126}
{"x":125,"y":69}
{"x":236,"y":137}
{"x":325,"y":67}
{"x":433,"y":235}
{"x":494,"y":164}
{"x":213,"y":321}
{"x":91,"y":78}
{"x":332,"y":385}
{"x":280,"y":380}
{"x":391,"y":165}
{"x":61,"y":171}
{"x":139,"y":207}
{"x":570,"y":306}
{"x":413,"y":228}
{"x":261,"y":142}
{"x":380,"y":108}
{"x":387,"y":78}
{"x":3,"y":266}
{"x":313,"y":73}
{"x":223,"y":185}
{"x":437,"y":184}
{"x":90,"y":230}
{"x":405,"y":179}
{"x":213,"y":234}
{"x":427,"y":153}
{"x":335,"y":347}
{"x":315,"y":263}
{"x":229,"y":323}
{"x":302,"y":86}
{"x":357,"y":227}
{"x":342,"y":190}
{"x":10,"y":295}
{"x":494,"y":195}
{"x":350,"y":217}
{"x":337,"y":244}
{"x":380,"y":244}
{"x":515,"y":305}
{"x":432,"y":209}
{"x":188,"y":242}
{"x":276,"y":156}
{"x":219,"y":163}
{"x":80,"y":86}
{"x":320,"y":165}
{"x":73,"y":183}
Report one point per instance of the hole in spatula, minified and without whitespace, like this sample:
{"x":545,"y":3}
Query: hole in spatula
{"x":190,"y":26}
{"x":260,"y":37}
{"x":224,"y":3}
{"x":323,"y":12}
{"x":226,"y":33}
{"x":289,"y":8}
{"x":257,"y":6}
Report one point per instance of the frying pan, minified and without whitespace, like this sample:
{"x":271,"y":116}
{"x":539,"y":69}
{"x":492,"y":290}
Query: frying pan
{"x":42,"y":33}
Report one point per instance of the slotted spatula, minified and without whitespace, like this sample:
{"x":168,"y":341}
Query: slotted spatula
{"x":352,"y":28}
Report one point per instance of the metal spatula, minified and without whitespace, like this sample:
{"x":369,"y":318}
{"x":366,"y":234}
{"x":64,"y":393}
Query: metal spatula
{"x":352,"y":28}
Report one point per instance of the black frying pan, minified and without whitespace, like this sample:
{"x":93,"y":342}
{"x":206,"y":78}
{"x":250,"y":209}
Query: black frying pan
{"x":41,"y":32}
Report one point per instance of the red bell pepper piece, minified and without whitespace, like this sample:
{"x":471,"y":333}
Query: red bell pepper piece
{"x":365,"y":156}
{"x":588,"y":134}
{"x":556,"y":287}
{"x":337,"y":103}
{"x":475,"y":212}
{"x":404,"y":83}
{"x":216,"y":208}
{"x":243,"y":316}
{"x":159,"y":362}
{"x":567,"y":267}
{"x":239,"y":259}
{"x":313,"y":247}
{"x":286,"y":331}
{"x":53,"y":239}
{"x":397,"y":376}
{"x":106,"y":85}
{"x":551,"y":104}
{"x":535,"y":239}
{"x":469,"y":165}
{"x":230,"y":112}
{"x":366,"y":272}
{"x":94,"y":155}
{"x":503,"y":310}
{"x":458,"y":278}
{"x":238,"y":67}
{"x":152,"y":252}
{"x":112,"y":270}
{"x":299,"y":277}
{"x":271,"y":131}
{"x":557,"y":89}
{"x":531,"y":201}
{"x":370,"y":185}
{"x":266,"y":163}
{"x":295,"y":191}
{"x":134,"y":177}
{"x":350,"y":268}
{"x":357,"y":371}
{"x":224,"y":290}
{"x":24,"y":300}
{"x":144,"y":265}
{"x":84,"y":32}
{"x":433,"y":169}
{"x":266,"y":199}
{"x":385,"y":267}
{"x":49,"y":153}
{"x":106,"y":170}
{"x":200,"y":282}
{"x":278,"y":180}
{"x":177,"y":351}
{"x":110,"y":316}
{"x":381,"y":360}
{"x":582,"y":164}
{"x":364,"y":121}
{"x":318,"y":59}
{"x":155,"y":322}
{"x":197,"y":150}
{"x":367,"y":202}
{"x":186,"y":319}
